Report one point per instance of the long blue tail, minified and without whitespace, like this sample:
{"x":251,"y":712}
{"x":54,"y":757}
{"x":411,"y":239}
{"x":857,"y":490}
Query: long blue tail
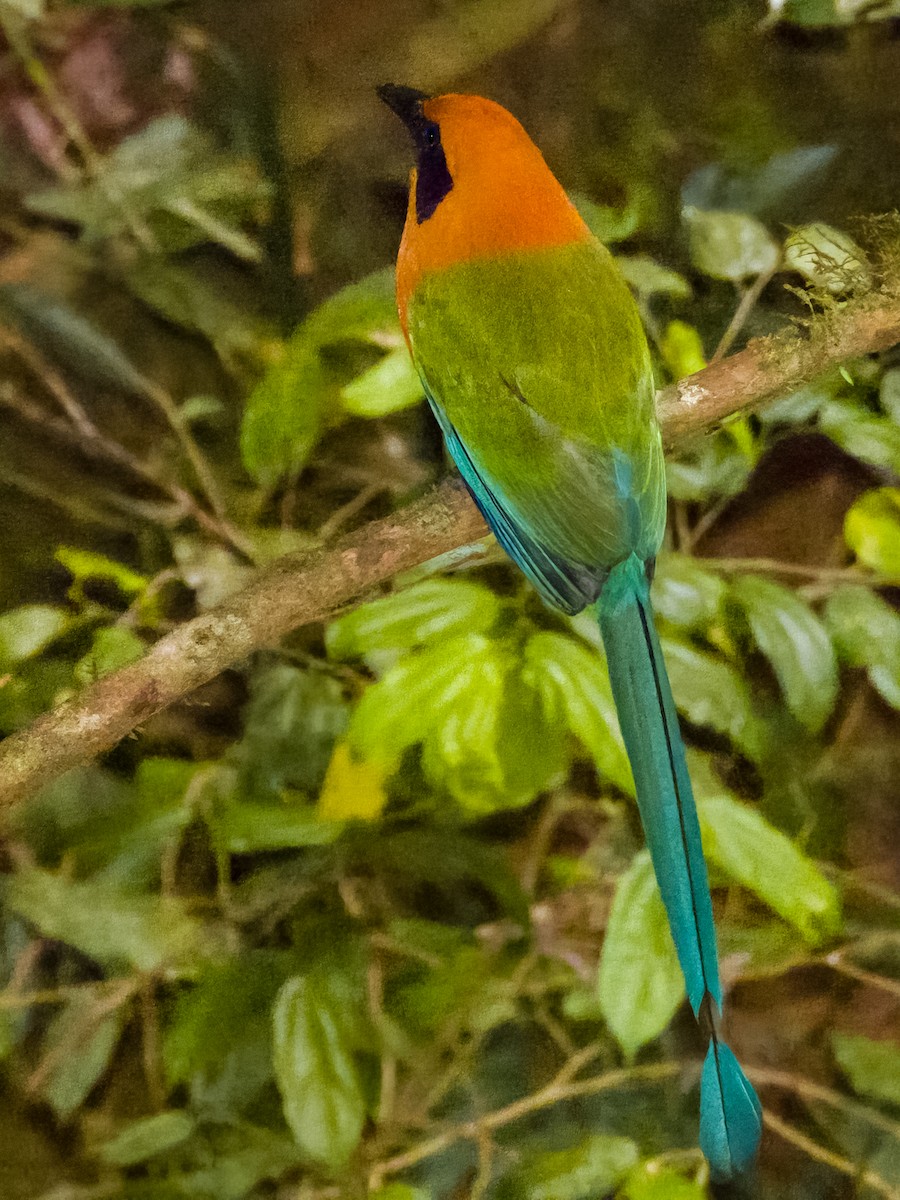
{"x":730,"y":1113}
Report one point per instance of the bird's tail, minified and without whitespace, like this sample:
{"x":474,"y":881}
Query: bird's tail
{"x":730,"y":1114}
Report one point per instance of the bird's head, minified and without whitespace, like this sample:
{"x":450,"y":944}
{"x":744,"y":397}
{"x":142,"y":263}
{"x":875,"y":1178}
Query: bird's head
{"x":480,"y":187}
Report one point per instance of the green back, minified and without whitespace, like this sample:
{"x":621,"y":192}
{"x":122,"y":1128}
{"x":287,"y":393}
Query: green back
{"x":539,"y":363}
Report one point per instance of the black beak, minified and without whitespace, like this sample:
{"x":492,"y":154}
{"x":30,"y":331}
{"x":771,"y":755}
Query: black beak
{"x":406,"y":102}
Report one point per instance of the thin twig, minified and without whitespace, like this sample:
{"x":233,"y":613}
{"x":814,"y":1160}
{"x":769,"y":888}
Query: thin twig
{"x":774,"y":566}
{"x":818,"y":1093}
{"x":83,"y":435}
{"x":742,"y":312}
{"x":554,"y":1093}
{"x":862,"y":1175}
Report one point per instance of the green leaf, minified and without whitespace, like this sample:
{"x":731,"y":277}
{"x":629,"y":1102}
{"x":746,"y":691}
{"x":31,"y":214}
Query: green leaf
{"x":170,"y":178}
{"x":228,"y":1004}
{"x":297,"y":397}
{"x":418,"y":695}
{"x":291,"y":724}
{"x":685,"y":593}
{"x":244,"y":828}
{"x":574,"y":680}
{"x":400,"y":1191}
{"x":113,"y":646}
{"x":681,"y":349}
{"x":320,"y":1088}
{"x":831,"y":13}
{"x":827,"y":258}
{"x":238,"y":1157}
{"x":649,"y":278}
{"x":866,"y":631}
{"x":148,"y":1137}
{"x":713,"y":467}
{"x":390,"y":386}
{"x":589,"y":1169}
{"x":608,"y":224}
{"x":71,"y":340}
{"x":197,"y":303}
{"x":80,"y":1047}
{"x":730,"y":245}
{"x":873,"y":439}
{"x":639,"y":984}
{"x":797,"y":645}
{"x":496,"y":747}
{"x":889,"y":393}
{"x":872,"y":531}
{"x":429,"y":611}
{"x":709,"y":691}
{"x":743,"y":843}
{"x":86,"y":565}
{"x":103,"y":921}
{"x":873,"y":1067}
{"x":27,"y":630}
{"x":655,"y":1183}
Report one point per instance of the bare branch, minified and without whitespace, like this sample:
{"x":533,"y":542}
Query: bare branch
{"x":308,"y":587}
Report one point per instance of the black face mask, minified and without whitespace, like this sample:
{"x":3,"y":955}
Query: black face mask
{"x":434,"y":180}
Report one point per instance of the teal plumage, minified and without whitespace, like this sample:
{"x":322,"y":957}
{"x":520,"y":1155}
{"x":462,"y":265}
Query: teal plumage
{"x":532,"y":355}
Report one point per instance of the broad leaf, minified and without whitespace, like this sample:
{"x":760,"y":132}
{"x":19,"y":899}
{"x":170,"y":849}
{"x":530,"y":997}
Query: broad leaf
{"x":353,"y":788}
{"x":298,"y":396}
{"x":80,"y":1047}
{"x":419,"y":694}
{"x":103,"y":921}
{"x":25,"y":631}
{"x":797,"y":645}
{"x":320,"y":1087}
{"x":681,"y":348}
{"x":113,"y":646}
{"x":291,"y":725}
{"x":651,"y":1182}
{"x":685,"y":593}
{"x":866,"y":631}
{"x":872,"y":531}
{"x":640,"y":984}
{"x":873,"y":438}
{"x":827,"y":258}
{"x":709,"y":691}
{"x":743,"y":843}
{"x":873,"y":1067}
{"x":574,"y":680}
{"x":589,"y":1169}
{"x":390,"y":386}
{"x":496,"y":747}
{"x":729,"y":245}
{"x":148,"y":1137}
{"x":227,"y":1005}
{"x":429,"y":611}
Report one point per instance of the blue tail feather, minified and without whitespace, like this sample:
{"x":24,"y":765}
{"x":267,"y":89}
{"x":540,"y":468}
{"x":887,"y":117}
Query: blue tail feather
{"x":730,"y":1115}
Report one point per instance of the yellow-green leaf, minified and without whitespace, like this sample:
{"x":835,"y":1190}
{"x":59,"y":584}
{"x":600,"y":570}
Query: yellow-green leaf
{"x":872,"y":531}
{"x":639,"y":984}
{"x":742,"y":842}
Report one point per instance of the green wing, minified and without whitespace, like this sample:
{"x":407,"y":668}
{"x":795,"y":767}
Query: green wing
{"x":538,"y":370}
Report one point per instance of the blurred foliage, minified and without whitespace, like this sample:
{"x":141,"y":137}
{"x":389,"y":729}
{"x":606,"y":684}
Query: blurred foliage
{"x":370,"y":915}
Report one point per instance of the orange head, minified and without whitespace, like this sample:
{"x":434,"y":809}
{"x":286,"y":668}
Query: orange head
{"x":480,"y":188}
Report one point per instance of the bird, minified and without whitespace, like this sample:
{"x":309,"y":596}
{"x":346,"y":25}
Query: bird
{"x":534,"y":361}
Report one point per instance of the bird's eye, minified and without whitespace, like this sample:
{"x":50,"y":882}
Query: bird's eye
{"x":431,"y":135}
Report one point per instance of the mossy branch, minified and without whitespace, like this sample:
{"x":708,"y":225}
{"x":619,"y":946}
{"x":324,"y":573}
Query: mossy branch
{"x":302,"y":588}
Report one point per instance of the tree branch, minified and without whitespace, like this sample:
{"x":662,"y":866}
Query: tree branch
{"x":307,"y":587}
